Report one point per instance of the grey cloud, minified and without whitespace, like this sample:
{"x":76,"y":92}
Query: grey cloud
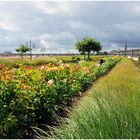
{"x":57,"y":25}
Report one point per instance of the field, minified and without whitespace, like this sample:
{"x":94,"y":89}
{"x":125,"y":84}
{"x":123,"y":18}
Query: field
{"x":35,"y":93}
{"x":110,"y":109}
{"x":13,"y":61}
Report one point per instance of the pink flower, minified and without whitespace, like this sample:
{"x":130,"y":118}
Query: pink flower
{"x":66,"y":65}
{"x":50,"y":82}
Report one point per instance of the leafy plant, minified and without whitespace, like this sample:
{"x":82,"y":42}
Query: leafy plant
{"x":23,"y":49}
{"x":31,"y":96}
{"x":87,"y":45}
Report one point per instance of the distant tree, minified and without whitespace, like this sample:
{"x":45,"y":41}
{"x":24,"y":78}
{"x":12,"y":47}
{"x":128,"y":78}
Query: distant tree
{"x":42,"y":51}
{"x":88,"y":45}
{"x":105,"y":53}
{"x":22,"y":50}
{"x":99,"y":53}
{"x":102,"y":53}
{"x":79,"y":45}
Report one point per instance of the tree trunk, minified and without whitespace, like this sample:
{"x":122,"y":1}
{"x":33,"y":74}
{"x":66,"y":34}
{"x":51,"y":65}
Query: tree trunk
{"x":22,"y":55}
{"x":88,"y":55}
{"x":84,"y":56}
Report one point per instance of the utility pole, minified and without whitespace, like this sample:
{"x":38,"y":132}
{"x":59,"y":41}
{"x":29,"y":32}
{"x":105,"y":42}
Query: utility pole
{"x":125,"y":47}
{"x":31,"y":46}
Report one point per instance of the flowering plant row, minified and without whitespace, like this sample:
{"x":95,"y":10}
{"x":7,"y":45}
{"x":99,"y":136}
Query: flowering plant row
{"x":30,"y":96}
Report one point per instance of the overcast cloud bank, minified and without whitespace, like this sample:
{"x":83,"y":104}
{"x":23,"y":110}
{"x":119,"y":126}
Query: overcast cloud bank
{"x":57,"y":25}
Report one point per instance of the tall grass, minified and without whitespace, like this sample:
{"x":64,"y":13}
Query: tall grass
{"x":13,"y":62}
{"x":138,"y":58}
{"x":110,"y":109}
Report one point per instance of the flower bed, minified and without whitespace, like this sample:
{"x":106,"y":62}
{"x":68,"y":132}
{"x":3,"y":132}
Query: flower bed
{"x":30,"y":96}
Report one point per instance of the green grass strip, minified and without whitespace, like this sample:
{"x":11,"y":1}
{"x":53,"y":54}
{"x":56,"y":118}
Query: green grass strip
{"x":109,"y":110}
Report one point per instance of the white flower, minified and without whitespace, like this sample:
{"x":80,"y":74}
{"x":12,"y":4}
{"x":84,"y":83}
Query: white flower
{"x":50,"y":82}
{"x":42,"y":67}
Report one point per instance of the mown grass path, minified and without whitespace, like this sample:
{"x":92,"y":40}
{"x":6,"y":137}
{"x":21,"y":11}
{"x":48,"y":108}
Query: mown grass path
{"x":109,"y":110}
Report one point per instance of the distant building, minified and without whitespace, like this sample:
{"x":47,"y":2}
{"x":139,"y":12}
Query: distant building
{"x":132,"y":52}
{"x":7,"y":53}
{"x":114,"y":52}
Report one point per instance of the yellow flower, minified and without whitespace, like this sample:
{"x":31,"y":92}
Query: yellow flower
{"x":62,"y":68}
{"x":20,"y":65}
{"x":49,"y":69}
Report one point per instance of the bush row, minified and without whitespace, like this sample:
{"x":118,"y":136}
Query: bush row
{"x":31,"y":96}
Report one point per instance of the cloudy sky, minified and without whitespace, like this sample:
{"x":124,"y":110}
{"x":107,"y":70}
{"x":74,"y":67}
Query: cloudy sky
{"x":57,"y":25}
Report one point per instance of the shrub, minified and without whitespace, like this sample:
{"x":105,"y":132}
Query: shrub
{"x":32,"y":96}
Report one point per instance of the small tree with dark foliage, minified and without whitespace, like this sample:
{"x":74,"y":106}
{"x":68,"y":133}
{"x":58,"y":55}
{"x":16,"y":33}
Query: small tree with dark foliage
{"x":22,"y":50}
{"x":88,"y":45}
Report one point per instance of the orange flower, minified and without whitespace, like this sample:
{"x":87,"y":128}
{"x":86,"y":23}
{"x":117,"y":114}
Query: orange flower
{"x":1,"y":66}
{"x":28,"y":68}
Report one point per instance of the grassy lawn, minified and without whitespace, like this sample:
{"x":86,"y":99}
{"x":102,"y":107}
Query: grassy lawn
{"x":109,"y":110}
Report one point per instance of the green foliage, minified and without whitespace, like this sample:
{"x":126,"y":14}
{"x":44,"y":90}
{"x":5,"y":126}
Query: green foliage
{"x":102,"y":53}
{"x":105,"y":67}
{"x":87,"y":45}
{"x":110,"y":111}
{"x":32,"y":96}
{"x":75,"y":59}
{"x":23,"y":49}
